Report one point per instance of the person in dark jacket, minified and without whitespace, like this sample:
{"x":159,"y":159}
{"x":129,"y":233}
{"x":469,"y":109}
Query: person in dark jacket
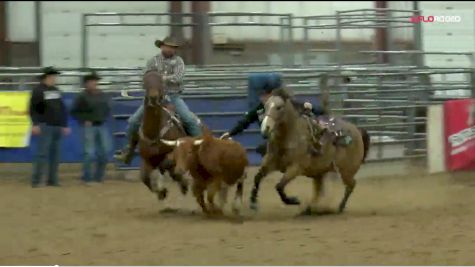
{"x":257,"y":114}
{"x":50,"y":121}
{"x":91,"y":109}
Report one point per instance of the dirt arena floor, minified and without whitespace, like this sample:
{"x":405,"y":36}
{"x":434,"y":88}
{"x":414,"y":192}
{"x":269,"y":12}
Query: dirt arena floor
{"x":398,"y":220}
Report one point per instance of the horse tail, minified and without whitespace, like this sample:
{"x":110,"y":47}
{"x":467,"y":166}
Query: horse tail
{"x":325,"y":99}
{"x":366,"y":142}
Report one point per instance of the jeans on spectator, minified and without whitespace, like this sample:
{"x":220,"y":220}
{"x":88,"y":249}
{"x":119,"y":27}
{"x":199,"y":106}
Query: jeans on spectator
{"x":97,"y":146}
{"x":190,"y":122}
{"x":47,"y":154}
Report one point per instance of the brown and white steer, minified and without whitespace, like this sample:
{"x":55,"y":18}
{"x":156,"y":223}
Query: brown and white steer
{"x":215,"y":165}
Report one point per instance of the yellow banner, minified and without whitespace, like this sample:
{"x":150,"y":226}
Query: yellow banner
{"x":15,"y":124}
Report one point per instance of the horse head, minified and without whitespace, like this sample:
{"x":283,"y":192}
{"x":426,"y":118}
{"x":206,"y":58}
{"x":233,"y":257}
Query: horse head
{"x":276,"y":107}
{"x":153,"y":85}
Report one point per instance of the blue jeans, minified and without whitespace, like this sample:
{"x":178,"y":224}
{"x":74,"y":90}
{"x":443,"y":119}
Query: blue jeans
{"x":96,"y":145}
{"x":187,"y":117}
{"x":47,"y":154}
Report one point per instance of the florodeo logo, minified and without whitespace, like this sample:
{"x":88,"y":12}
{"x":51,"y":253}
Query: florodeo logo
{"x":462,"y":137}
{"x":435,"y":19}
{"x":8,"y":111}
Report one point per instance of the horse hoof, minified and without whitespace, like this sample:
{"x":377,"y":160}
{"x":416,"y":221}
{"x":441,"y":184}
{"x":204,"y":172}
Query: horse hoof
{"x":168,"y":211}
{"x":341,"y":208}
{"x":292,"y":201}
{"x":184,"y":189}
{"x":236,"y":211}
{"x":162,"y":194}
{"x":306,"y":212}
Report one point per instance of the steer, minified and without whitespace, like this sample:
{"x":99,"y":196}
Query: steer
{"x":215,"y":165}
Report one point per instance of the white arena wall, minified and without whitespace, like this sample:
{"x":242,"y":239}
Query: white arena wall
{"x":130,"y":46}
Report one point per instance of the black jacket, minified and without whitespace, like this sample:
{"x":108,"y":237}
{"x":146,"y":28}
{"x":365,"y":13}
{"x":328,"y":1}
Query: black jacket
{"x":257,"y":114}
{"x":47,"y":106}
{"x":93,"y":107}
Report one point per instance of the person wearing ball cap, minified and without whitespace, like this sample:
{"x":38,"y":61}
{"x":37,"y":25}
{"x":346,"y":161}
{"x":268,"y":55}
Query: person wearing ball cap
{"x":172,"y":68}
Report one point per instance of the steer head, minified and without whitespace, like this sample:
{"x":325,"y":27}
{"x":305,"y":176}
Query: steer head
{"x":184,"y":153}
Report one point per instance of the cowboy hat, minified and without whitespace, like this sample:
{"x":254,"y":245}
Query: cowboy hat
{"x":91,"y":76}
{"x":49,"y":71}
{"x":168,"y":41}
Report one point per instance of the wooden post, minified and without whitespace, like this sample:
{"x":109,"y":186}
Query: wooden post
{"x":201,"y":41}
{"x":3,"y":34}
{"x":381,"y":34}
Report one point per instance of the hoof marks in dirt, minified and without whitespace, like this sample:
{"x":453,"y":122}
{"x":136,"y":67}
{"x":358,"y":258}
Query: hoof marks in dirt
{"x":169,"y":211}
{"x":316,"y":212}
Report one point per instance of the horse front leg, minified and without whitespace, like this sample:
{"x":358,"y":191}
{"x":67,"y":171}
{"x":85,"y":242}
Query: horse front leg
{"x":289,"y":175}
{"x":169,"y":165}
{"x":261,"y":173}
{"x":145,"y":175}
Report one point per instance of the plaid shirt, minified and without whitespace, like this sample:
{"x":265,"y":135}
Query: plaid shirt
{"x":172,"y":69}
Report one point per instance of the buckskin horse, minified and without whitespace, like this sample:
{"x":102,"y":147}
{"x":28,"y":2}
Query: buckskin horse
{"x":289,"y":151}
{"x":158,"y":123}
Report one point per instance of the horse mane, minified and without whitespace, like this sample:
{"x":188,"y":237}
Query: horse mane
{"x":282,"y":93}
{"x":152,"y":79}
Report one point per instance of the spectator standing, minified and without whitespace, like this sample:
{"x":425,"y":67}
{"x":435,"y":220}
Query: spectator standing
{"x":49,"y":117}
{"x":91,"y":109}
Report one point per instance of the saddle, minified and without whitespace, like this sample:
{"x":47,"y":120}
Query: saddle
{"x":327,"y":130}
{"x":175,"y":120}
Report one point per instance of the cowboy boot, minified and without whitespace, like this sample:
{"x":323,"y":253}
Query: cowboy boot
{"x":127,"y":154}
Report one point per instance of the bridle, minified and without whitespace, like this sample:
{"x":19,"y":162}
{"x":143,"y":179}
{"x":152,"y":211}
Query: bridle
{"x":157,"y":102}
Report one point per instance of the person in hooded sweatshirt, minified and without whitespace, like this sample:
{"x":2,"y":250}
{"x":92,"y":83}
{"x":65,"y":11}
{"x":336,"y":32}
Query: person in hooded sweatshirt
{"x":50,"y":122}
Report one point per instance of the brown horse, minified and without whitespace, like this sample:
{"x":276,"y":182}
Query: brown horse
{"x":290,"y":138}
{"x":157,"y":123}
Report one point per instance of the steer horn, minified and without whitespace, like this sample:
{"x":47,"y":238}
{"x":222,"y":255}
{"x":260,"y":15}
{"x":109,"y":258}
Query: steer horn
{"x":168,"y":142}
{"x":198,"y":142}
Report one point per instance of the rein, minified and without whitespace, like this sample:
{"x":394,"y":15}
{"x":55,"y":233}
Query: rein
{"x":158,"y":103}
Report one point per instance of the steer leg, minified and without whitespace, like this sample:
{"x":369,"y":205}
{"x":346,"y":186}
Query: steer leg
{"x":223,"y":196}
{"x":198,"y":192}
{"x":237,"y":204}
{"x":214,"y":188}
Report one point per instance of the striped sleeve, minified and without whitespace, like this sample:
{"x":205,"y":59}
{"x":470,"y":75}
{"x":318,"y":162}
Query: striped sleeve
{"x":151,"y":64}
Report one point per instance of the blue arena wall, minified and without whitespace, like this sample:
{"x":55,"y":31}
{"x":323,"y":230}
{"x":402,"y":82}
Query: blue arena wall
{"x":219,"y":113}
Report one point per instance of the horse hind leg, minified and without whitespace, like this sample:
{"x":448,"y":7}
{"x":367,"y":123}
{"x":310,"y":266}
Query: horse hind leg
{"x":317,"y":191}
{"x":350,"y":183}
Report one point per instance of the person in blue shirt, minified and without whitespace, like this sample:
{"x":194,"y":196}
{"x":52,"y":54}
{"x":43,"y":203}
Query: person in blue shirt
{"x":256,"y":114}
